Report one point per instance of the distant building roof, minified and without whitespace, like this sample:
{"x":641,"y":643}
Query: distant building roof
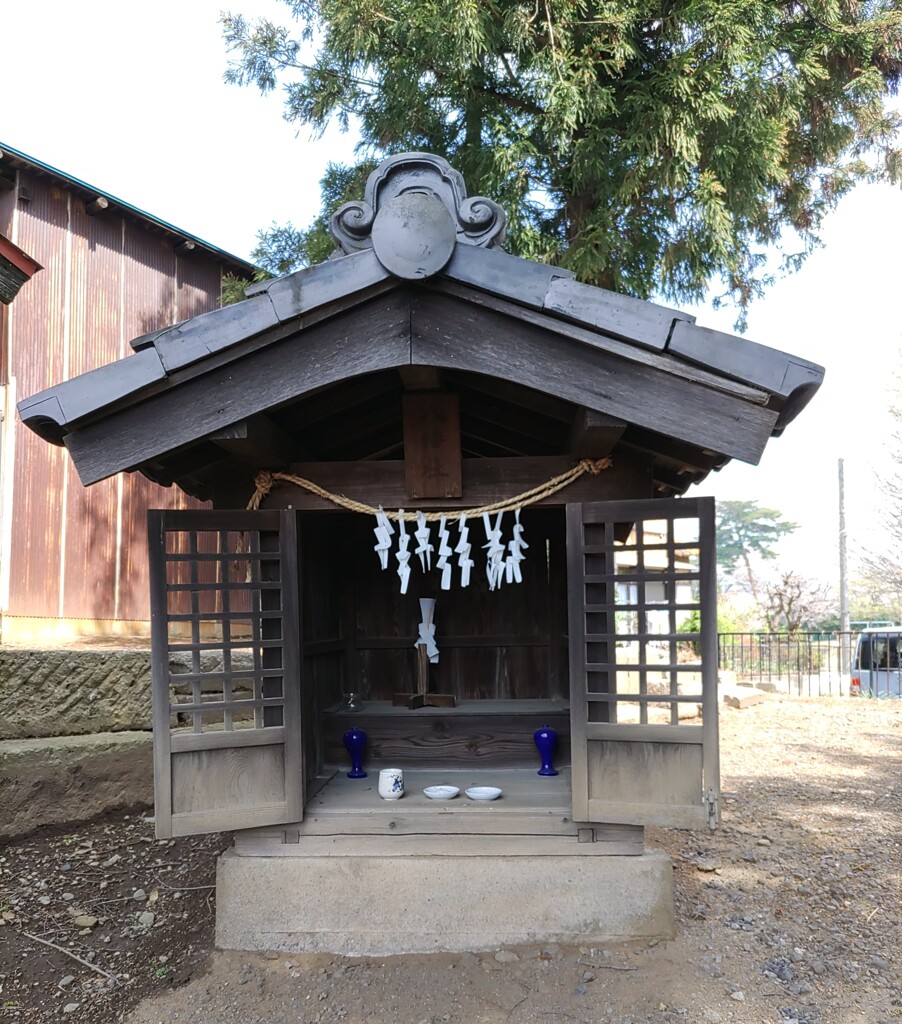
{"x":16,"y":159}
{"x":16,"y":267}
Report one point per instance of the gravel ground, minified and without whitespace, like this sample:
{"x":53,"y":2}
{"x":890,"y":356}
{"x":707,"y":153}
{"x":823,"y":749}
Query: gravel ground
{"x":788,"y":914}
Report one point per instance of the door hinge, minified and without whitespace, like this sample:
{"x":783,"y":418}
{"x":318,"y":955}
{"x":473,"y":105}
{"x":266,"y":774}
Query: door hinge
{"x":712,"y":807}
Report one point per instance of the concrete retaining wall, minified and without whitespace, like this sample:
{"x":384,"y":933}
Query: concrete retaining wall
{"x":72,"y":693}
{"x":62,"y":780}
{"x":75,"y":736}
{"x":78,"y":692}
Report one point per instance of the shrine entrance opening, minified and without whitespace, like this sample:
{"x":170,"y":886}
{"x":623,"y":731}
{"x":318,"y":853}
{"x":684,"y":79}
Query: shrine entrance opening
{"x":603,"y":640}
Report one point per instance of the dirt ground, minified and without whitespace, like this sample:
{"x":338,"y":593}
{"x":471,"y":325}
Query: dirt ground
{"x":789,"y":914}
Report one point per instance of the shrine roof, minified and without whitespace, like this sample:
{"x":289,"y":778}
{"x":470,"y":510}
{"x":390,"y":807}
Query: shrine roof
{"x":419,"y":285}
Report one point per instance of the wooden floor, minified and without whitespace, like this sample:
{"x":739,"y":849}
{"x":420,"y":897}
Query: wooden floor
{"x":524,"y":791}
{"x":530,"y":805}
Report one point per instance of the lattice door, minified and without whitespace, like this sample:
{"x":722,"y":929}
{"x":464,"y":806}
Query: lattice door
{"x":226,"y":679}
{"x":643,"y":661}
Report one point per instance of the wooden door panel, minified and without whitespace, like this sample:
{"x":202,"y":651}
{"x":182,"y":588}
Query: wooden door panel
{"x":226,"y":682}
{"x":643,"y":661}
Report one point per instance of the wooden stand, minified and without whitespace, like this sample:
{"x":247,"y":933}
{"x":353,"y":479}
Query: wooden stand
{"x":423,"y":698}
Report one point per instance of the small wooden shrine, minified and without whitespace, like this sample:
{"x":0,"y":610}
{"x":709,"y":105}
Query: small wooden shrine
{"x":538,"y":434}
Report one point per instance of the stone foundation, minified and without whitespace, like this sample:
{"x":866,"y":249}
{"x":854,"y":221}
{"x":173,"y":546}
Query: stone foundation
{"x":339,"y":897}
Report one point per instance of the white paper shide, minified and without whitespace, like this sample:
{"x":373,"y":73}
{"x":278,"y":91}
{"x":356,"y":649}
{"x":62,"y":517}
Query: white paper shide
{"x":503,"y":558}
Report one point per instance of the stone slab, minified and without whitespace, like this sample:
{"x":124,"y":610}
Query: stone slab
{"x":742,"y":697}
{"x":373,"y":904}
{"x":67,"y":779}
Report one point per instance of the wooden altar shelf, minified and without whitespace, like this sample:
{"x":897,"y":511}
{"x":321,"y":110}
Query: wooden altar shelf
{"x":484,"y":733}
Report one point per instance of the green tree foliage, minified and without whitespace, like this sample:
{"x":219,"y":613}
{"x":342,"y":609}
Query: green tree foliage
{"x":652,"y":147}
{"x":746,"y":532}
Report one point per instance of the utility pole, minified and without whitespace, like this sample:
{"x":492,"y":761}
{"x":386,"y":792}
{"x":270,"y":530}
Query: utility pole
{"x":843,"y":575}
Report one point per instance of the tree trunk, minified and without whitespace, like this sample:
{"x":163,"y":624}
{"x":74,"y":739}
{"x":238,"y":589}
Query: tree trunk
{"x":753,"y":585}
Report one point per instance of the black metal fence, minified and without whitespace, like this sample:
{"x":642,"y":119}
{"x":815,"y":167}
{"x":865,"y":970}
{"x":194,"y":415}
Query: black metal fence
{"x":802,"y":664}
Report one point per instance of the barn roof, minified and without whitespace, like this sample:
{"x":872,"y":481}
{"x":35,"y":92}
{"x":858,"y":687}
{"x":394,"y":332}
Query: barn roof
{"x":420,"y":295}
{"x":12,"y":160}
{"x":16,"y":267}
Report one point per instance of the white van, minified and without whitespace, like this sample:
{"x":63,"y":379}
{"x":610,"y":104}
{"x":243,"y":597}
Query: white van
{"x":876,"y":664}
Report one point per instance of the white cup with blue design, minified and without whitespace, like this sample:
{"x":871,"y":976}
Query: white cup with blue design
{"x":391,"y":783}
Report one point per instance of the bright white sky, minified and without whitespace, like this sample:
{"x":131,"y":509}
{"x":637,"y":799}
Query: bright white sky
{"x":131,"y":99}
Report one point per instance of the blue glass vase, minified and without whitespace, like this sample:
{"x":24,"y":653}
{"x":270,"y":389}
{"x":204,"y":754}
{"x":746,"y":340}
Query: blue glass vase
{"x":355,"y":741}
{"x":546,"y":740}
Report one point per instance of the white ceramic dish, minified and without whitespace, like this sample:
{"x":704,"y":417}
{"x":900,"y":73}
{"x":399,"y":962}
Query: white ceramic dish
{"x":483,"y":792}
{"x":441,"y":792}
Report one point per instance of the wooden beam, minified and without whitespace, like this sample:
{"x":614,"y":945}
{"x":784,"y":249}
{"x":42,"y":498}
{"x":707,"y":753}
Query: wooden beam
{"x":431,"y":445}
{"x":593,"y":435}
{"x":525,"y":430}
{"x":259,"y":442}
{"x":327,"y":406}
{"x":511,"y":393}
{"x":96,"y":206}
{"x":370,"y":425}
{"x":196,"y":464}
{"x":484,"y":481}
{"x":675,"y":481}
{"x":636,"y":439}
{"x":420,"y":378}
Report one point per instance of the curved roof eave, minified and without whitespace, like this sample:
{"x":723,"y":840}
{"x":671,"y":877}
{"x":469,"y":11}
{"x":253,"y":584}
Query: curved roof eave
{"x":417,"y":233}
{"x":286,"y":304}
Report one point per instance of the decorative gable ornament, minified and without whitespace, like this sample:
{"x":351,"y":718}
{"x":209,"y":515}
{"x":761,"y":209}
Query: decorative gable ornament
{"x":414,"y":211}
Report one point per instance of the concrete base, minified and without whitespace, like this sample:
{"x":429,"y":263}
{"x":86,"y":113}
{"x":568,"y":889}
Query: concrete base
{"x":373,"y":904}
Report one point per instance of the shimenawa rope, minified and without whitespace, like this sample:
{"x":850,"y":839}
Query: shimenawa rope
{"x":265,"y":481}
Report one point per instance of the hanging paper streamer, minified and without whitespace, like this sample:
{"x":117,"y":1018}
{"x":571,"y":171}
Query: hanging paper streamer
{"x":502,"y":560}
{"x":403,"y":555}
{"x":494,"y":566}
{"x":499,"y":569}
{"x":424,"y":548}
{"x":444,"y":550}
{"x":426,"y":629}
{"x":383,"y":531}
{"x":462,"y":550}
{"x":515,"y":552}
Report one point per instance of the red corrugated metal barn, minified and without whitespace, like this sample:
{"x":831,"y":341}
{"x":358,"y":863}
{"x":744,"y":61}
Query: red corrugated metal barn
{"x":72,"y":559}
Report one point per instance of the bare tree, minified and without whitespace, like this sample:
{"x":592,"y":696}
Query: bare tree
{"x":882,"y":569}
{"x":791,"y":602}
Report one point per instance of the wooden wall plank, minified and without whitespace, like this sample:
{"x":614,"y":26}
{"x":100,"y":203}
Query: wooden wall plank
{"x":453,"y":740}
